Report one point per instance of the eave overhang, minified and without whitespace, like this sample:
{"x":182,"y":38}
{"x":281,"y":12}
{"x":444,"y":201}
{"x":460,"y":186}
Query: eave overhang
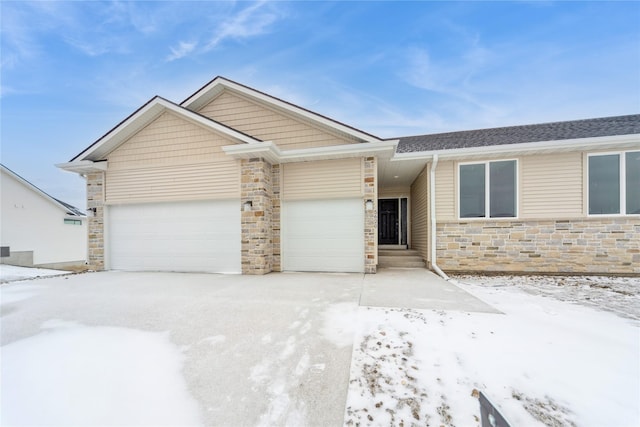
{"x":271,"y":153}
{"x":618,"y":142}
{"x":83,"y":166}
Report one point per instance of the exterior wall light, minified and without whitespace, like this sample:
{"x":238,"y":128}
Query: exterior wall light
{"x":368,"y":205}
{"x":246,"y":206}
{"x":92,"y":211}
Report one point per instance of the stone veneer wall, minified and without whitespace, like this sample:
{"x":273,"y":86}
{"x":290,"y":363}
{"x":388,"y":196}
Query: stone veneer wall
{"x":275,"y":218}
{"x":370,"y":217}
{"x":257,"y":242}
{"x":590,"y":245}
{"x":95,"y":224}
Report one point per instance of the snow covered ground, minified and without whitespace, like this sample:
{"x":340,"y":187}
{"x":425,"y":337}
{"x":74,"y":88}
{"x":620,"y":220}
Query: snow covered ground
{"x":619,"y":295}
{"x":548,"y":360}
{"x":276,"y":350}
{"x":71,"y":374}
{"x":11,"y":273}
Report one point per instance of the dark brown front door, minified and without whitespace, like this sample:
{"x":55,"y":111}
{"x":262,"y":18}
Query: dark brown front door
{"x":388,"y":222}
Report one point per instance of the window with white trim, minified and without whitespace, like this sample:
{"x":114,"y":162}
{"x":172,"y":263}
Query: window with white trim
{"x":614,"y":183}
{"x":488,"y":195}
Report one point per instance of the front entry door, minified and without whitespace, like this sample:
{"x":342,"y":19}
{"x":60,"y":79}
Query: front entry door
{"x":388,"y":221}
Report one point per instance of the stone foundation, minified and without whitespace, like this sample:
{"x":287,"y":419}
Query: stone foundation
{"x":95,"y":222}
{"x":591,"y":245}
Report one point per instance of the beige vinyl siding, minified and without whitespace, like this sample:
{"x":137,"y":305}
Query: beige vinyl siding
{"x":173,"y":183}
{"x":420,"y":214}
{"x":265,"y":124}
{"x":323,"y":179}
{"x":446,"y":191}
{"x":169,"y":139}
{"x":551,"y":186}
{"x":171,"y":159}
{"x":393,"y":192}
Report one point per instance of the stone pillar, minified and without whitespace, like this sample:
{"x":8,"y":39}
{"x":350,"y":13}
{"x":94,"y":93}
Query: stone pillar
{"x":257,"y":243}
{"x":275,"y":218}
{"x":370,"y":216}
{"x":95,"y":224}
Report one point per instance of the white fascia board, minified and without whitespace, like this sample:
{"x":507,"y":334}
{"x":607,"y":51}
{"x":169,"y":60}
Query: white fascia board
{"x":542,"y":147}
{"x":213,"y":88}
{"x":146,"y":115}
{"x":270,"y":151}
{"x":83,"y":166}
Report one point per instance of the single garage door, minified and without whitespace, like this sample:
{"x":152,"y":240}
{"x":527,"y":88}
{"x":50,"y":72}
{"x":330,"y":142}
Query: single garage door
{"x":323,"y":235}
{"x":181,"y":236}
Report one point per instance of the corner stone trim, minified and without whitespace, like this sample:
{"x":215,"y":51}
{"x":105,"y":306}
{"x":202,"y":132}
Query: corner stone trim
{"x":95,"y":223}
{"x":370,"y":217}
{"x":257,"y":233}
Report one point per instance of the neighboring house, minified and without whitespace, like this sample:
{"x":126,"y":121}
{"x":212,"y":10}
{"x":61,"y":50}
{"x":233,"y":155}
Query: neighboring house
{"x":37,"y":230}
{"x":235,"y":180}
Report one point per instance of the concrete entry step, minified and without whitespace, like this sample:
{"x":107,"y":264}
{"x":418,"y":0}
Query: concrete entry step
{"x":400,"y":258}
{"x":398,"y":252}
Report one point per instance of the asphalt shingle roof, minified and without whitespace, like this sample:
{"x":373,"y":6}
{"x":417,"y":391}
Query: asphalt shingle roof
{"x":556,"y":131}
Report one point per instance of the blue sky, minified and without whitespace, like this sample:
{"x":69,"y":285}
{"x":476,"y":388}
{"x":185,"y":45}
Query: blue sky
{"x":70,"y":71}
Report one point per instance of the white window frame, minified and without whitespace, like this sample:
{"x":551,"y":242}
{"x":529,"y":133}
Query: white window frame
{"x":622,"y":179}
{"x":487,"y":192}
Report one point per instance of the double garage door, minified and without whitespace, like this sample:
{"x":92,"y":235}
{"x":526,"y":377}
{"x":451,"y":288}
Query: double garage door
{"x":317,"y":235}
{"x":182,"y":236}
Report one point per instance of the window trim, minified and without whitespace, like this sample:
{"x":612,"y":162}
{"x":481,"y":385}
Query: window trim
{"x":72,"y":221}
{"x":487,"y":183}
{"x":622,"y":180}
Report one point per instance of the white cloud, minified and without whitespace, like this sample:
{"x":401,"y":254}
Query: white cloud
{"x":251,"y":21}
{"x":183,"y":49}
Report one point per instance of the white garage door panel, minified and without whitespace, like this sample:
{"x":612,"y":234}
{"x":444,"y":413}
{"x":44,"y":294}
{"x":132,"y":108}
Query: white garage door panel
{"x":323,"y":235}
{"x":185,"y":236}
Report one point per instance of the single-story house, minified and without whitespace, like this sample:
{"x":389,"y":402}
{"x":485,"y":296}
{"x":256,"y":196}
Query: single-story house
{"x":235,"y":180}
{"x":38,"y":230}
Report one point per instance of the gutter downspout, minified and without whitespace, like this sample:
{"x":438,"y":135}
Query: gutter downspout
{"x":432,"y":204}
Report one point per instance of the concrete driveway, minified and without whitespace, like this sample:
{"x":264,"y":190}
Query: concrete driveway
{"x":286,"y":338}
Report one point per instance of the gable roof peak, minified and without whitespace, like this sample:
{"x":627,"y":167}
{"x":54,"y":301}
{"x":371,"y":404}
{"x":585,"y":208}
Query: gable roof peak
{"x":213,"y":88}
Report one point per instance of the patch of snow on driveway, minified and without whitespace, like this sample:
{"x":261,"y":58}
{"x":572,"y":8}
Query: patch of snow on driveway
{"x":543,"y":362}
{"x":10,"y":273}
{"x":70,"y":374}
{"x":339,"y":323}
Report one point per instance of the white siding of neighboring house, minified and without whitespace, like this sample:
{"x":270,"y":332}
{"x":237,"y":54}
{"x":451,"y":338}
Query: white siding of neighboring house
{"x":32,"y":222}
